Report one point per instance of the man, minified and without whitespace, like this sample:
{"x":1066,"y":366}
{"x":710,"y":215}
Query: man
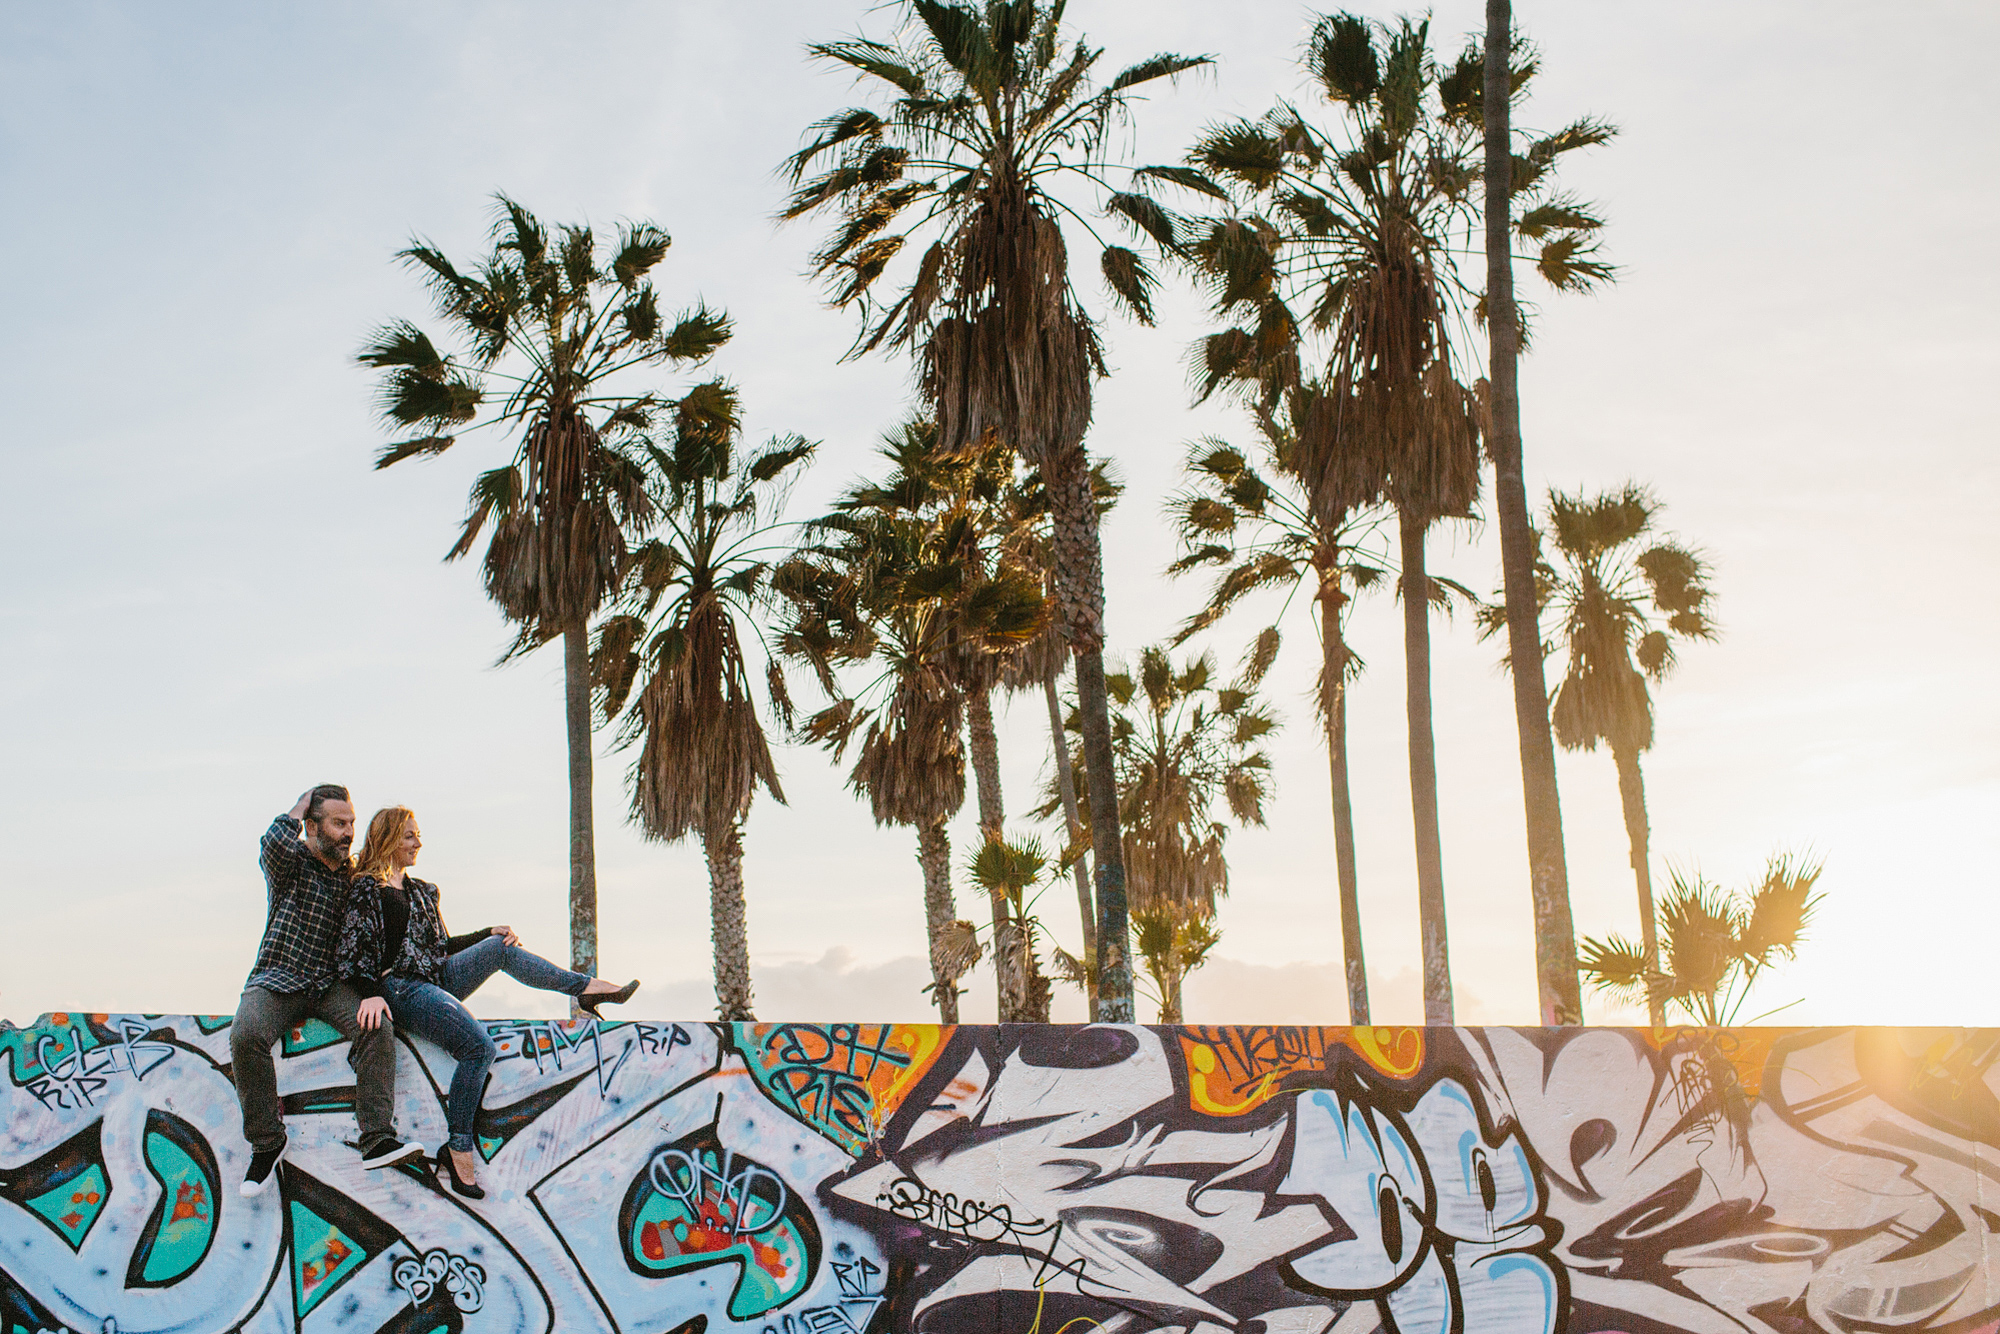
{"x":295,"y":979}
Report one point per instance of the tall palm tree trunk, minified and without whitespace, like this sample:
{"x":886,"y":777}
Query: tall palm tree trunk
{"x":582,"y":823}
{"x":1423,"y":771}
{"x":1632,"y":795}
{"x":1080,"y":868}
{"x":728,"y":928}
{"x":1079,"y":567}
{"x":1009,"y":972}
{"x":1333,"y":698}
{"x":940,"y":911}
{"x":1548,"y":869}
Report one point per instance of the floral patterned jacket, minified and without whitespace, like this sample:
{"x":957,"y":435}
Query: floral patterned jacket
{"x":364,"y":931}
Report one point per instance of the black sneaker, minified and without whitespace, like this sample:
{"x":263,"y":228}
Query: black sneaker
{"x":262,"y":1164}
{"x":388,"y":1151}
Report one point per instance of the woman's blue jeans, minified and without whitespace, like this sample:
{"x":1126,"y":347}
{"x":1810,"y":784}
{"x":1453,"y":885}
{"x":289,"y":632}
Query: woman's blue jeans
{"x":438,"y":1014}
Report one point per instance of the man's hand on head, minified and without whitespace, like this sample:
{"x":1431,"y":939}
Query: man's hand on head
{"x":302,"y":805}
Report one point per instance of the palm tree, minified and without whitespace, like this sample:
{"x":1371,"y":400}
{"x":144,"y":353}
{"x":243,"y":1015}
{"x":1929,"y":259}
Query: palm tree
{"x":1039,"y":666}
{"x":1564,"y":228}
{"x":1010,"y":870}
{"x":1263,"y":533}
{"x":973,"y":522}
{"x":1358,"y":228}
{"x":674,"y":653}
{"x":1183,"y":744}
{"x":1174,"y":940}
{"x":550,"y":323}
{"x":1717,"y":943}
{"x":1372,"y":218}
{"x":991,"y":112}
{"x":883,"y":582}
{"x":1616,"y":611}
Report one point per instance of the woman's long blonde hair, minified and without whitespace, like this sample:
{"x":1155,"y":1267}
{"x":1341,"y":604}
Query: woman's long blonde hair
{"x":385,"y":833}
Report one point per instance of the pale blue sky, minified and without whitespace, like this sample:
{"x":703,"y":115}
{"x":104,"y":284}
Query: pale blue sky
{"x":210,"y":601}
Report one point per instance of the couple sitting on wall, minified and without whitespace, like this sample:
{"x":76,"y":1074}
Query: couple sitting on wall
{"x":361,"y":944}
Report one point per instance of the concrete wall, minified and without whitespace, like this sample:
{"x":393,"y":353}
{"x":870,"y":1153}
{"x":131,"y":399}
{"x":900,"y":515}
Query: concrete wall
{"x":806,"y":1178}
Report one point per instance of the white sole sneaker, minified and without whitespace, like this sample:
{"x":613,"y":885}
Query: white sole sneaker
{"x":402,"y":1153}
{"x":250,"y":1190}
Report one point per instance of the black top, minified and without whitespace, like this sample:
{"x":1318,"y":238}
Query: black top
{"x":377,"y":940}
{"x":395,"y":918}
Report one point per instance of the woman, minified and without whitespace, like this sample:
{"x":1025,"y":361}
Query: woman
{"x":394,"y":950}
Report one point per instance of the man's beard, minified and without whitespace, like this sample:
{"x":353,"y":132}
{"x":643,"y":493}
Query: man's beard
{"x":334,"y":854}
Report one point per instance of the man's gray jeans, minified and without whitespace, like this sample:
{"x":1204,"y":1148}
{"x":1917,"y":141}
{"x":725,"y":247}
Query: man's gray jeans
{"x":263,"y":1017}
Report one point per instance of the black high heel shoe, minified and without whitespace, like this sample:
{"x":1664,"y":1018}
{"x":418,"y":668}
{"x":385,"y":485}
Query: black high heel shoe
{"x":471,"y":1190}
{"x":589,"y":1004}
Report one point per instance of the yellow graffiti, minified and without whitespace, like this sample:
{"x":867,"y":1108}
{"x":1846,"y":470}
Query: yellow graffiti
{"x":1234,"y":1070}
{"x":1396,"y":1052}
{"x":844,"y":1080}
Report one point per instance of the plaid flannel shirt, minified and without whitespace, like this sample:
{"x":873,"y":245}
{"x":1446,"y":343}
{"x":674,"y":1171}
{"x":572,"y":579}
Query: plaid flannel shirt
{"x":307,"y":899}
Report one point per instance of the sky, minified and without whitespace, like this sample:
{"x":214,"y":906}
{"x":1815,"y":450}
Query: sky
{"x":209,"y":601}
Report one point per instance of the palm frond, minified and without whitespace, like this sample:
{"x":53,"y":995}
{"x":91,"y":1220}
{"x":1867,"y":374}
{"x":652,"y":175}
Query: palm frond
{"x":1781,"y":908}
{"x":697,"y":335}
{"x":1185,"y":177}
{"x":781,"y":454}
{"x":1615,"y":964}
{"x":1561,"y":214}
{"x":1162,"y":66}
{"x":1008,"y":867}
{"x":1699,"y":931}
{"x":1262,"y":653}
{"x":840,"y":128}
{"x":873,"y":58}
{"x":428,"y":445}
{"x":1126,"y":274}
{"x":1567,"y":264}
{"x":1241,"y":151}
{"x":1588,"y":132}
{"x":615,"y":660}
{"x":498,"y":490}
{"x":1146,"y":215}
{"x":961,"y":39}
{"x":1341,"y":55}
{"x":412,"y":398}
{"x":641,"y":247}
{"x":1462,"y":88}
{"x":402,"y":344}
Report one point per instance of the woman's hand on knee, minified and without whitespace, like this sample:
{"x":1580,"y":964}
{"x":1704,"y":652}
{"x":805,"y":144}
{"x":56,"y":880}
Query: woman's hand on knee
{"x":506,"y":934}
{"x":373,"y":1014}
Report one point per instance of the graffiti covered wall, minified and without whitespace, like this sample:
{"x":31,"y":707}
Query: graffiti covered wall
{"x":664,"y":1178}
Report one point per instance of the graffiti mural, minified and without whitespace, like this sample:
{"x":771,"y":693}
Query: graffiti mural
{"x":852,"y":1178}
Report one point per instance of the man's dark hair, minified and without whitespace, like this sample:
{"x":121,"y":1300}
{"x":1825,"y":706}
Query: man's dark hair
{"x":321,"y":795}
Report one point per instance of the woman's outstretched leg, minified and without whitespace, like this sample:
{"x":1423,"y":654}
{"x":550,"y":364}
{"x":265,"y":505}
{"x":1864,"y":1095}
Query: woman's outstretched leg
{"x":466,"y":970}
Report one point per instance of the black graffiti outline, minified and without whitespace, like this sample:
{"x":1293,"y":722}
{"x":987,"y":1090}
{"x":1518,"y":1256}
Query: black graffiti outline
{"x":736,"y":1188}
{"x":462,"y":1279}
{"x":835,"y":1317}
{"x":840,"y":1096}
{"x":530,"y":1193}
{"x":85,"y":1072}
{"x":911,"y":1200}
{"x":526,"y":1036}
